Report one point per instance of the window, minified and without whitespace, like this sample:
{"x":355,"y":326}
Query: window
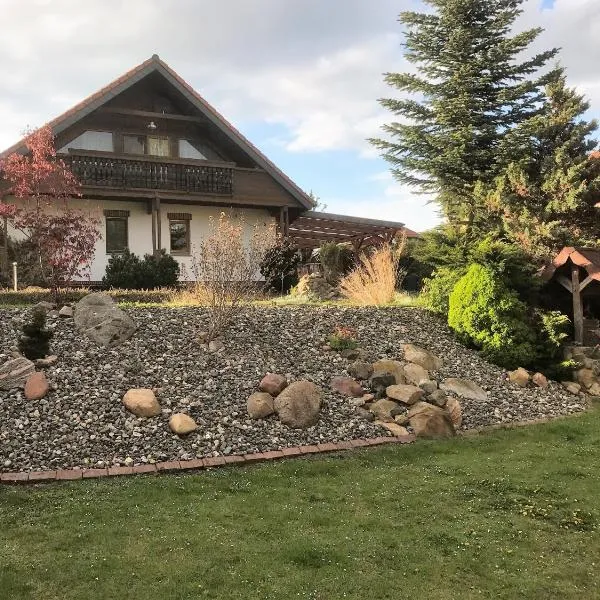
{"x":117,"y":231}
{"x":187,"y":150}
{"x":158,"y":146}
{"x":179,"y":231}
{"x":91,"y":140}
{"x":134,"y":144}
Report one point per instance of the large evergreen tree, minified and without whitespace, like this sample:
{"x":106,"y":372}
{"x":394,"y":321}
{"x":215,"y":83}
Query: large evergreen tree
{"x":468,"y":89}
{"x":545,"y":197}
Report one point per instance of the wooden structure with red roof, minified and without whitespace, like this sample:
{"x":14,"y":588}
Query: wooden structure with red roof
{"x":576,"y":269}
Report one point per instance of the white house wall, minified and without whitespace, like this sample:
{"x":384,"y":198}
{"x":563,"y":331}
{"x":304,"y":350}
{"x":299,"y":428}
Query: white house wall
{"x":140,"y":228}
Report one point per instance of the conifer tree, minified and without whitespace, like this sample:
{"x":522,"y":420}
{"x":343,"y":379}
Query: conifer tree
{"x":469,"y":87}
{"x":545,"y":198}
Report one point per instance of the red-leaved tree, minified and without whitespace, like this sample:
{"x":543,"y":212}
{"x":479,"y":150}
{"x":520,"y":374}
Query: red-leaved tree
{"x":36,"y":201}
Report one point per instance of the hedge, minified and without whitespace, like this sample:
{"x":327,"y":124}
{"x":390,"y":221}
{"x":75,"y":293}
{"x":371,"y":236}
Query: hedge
{"x":69,"y":295}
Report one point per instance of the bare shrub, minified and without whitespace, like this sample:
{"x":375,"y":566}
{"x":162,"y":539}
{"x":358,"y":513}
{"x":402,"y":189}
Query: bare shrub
{"x":226,"y":268}
{"x":373,"y":281}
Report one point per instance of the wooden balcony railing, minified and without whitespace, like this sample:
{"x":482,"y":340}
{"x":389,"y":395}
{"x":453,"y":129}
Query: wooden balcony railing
{"x":152,"y":173}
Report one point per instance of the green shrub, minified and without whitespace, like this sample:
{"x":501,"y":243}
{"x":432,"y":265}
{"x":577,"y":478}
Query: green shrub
{"x":343,"y":339}
{"x":484,"y":312}
{"x":336,"y":260}
{"x":279,"y":267}
{"x":35,"y":341}
{"x":128,"y":272}
{"x":435,"y":295}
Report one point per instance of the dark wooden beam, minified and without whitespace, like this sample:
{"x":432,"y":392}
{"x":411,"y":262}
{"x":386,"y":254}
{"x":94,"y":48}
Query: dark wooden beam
{"x":146,"y":114}
{"x":585,"y":283}
{"x":577,"y":307}
{"x":566,"y":283}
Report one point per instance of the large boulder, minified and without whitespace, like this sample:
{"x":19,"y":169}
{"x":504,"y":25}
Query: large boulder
{"x":415,"y":374}
{"x":260,"y":405}
{"x":464,"y":388}
{"x":100,"y":319}
{"x":14,"y":373}
{"x":142,"y":403}
{"x":430,"y":421}
{"x":298,"y":406}
{"x":540,"y":380}
{"x":585,"y":377}
{"x":454,"y":409}
{"x":272,"y":383}
{"x":36,"y":386}
{"x":393,"y":367}
{"x":407,"y":394}
{"x":422,"y":357}
{"x":347,"y":387}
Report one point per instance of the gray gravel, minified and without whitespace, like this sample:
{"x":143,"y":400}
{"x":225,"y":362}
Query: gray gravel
{"x":83,"y":423}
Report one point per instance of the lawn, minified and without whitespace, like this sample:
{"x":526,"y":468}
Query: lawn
{"x":510,"y":514}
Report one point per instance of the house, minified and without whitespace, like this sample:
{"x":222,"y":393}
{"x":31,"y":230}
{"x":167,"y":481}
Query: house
{"x":155,"y":161}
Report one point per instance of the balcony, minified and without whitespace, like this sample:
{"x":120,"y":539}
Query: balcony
{"x":117,"y":171}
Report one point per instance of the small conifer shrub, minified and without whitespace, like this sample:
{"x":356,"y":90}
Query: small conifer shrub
{"x":35,"y":341}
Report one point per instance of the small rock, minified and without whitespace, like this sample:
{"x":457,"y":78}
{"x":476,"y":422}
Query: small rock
{"x":519,"y":376}
{"x":393,"y":367}
{"x":365,"y":414}
{"x":215,"y":346}
{"x":272,"y":383}
{"x":540,"y":380}
{"x":455,"y":411}
{"x":571,"y":386}
{"x":44,"y":363}
{"x":438,"y":398}
{"x":429,"y":386}
{"x":393,"y":428}
{"x":260,"y":405}
{"x":36,"y":386}
{"x":351,"y":353}
{"x":415,"y":374}
{"x":585,"y":377}
{"x":360,"y":370}
{"x":65,"y":312}
{"x":401,"y":419}
{"x":422,"y":357}
{"x":182,"y":424}
{"x":465,"y":388}
{"x":380,"y":382}
{"x":407,"y":394}
{"x":347,"y":386}
{"x":142,"y":403}
{"x":382,"y":409}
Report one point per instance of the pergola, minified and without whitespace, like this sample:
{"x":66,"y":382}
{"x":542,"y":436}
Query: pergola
{"x":575,"y":269}
{"x":313,"y":229}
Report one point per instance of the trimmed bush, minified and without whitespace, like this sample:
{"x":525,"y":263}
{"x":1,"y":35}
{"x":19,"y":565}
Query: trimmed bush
{"x":128,"y":272}
{"x":484,"y":312}
{"x":35,"y":341}
{"x":279,"y":267}
{"x":437,"y":289}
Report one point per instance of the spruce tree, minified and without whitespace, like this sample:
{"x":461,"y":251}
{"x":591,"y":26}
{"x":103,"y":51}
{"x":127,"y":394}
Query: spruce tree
{"x":468,"y":88}
{"x":545,"y":198}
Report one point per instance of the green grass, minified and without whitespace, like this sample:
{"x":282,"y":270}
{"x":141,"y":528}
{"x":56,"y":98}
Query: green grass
{"x":510,"y":514}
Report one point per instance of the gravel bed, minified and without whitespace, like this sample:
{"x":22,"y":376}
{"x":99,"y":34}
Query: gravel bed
{"x":82,"y":421}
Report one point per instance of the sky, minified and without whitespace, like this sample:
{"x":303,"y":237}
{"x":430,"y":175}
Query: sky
{"x":300,"y":78}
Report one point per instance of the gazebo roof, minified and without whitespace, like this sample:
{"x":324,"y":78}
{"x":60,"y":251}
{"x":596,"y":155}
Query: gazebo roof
{"x":586,"y":258}
{"x":312,"y":229}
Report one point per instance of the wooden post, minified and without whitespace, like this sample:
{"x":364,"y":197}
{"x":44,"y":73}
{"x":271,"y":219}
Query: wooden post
{"x":156,"y":225}
{"x":577,"y":307}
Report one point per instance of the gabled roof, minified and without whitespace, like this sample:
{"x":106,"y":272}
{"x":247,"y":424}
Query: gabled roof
{"x":586,"y":258}
{"x":155,"y":64}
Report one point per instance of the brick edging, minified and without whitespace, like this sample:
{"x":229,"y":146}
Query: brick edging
{"x":198,"y":463}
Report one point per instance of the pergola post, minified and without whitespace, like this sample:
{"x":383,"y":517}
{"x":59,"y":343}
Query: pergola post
{"x":577,"y":307}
